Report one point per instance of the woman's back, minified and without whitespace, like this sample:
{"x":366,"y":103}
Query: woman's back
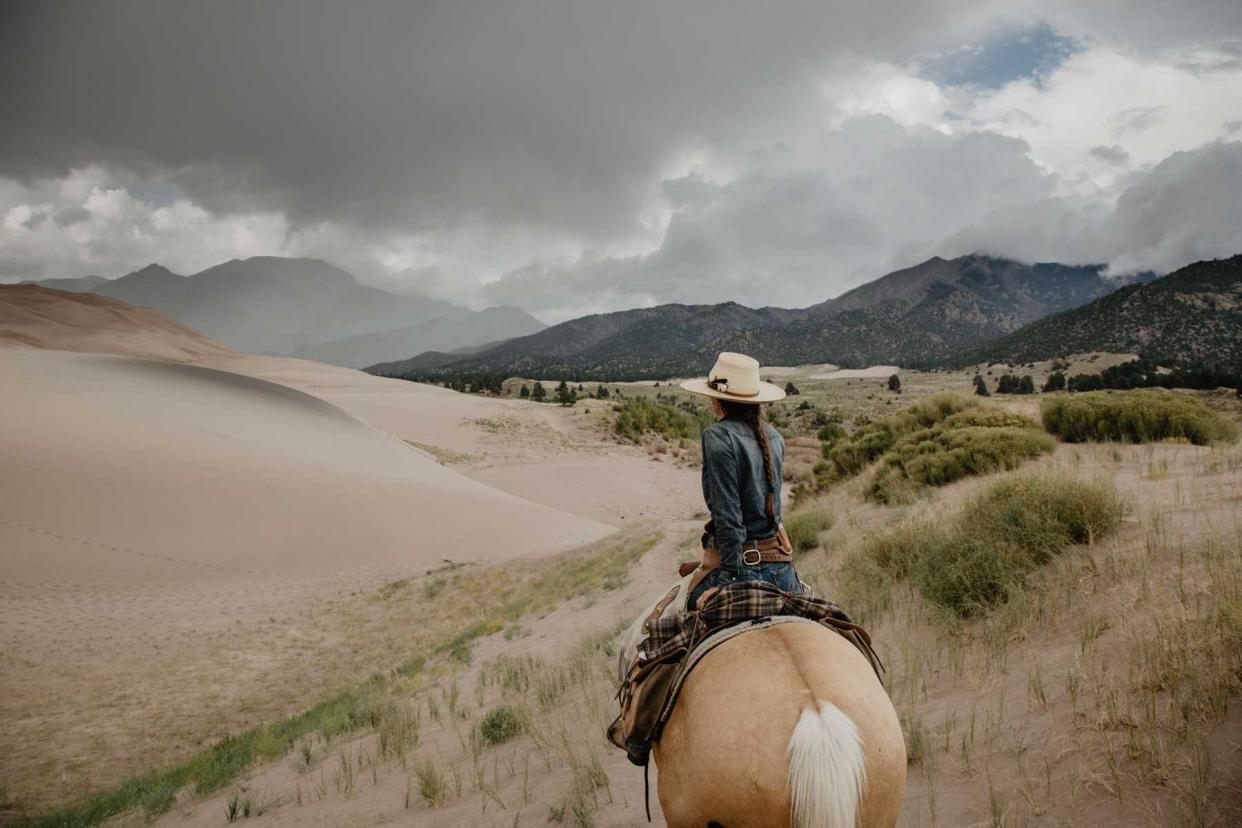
{"x":735,"y":484}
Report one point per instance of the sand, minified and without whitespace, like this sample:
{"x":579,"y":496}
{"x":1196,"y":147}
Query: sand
{"x":147,"y":504}
{"x":39,"y":317}
{"x":874,"y":372}
{"x":173,"y":526}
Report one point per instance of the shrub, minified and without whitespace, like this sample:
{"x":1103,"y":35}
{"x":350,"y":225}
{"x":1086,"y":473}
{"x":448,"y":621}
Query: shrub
{"x":500,"y":725}
{"x":639,"y":415}
{"x":974,"y":441}
{"x":953,"y":454}
{"x":848,"y":457}
{"x":1140,"y":416}
{"x":981,"y":387}
{"x":804,"y":527}
{"x":983,"y":556}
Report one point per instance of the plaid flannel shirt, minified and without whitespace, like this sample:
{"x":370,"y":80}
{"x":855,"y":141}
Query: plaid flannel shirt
{"x":732,"y":604}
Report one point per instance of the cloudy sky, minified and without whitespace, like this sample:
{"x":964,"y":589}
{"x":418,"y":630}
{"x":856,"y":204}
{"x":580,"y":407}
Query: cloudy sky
{"x":571,"y":157}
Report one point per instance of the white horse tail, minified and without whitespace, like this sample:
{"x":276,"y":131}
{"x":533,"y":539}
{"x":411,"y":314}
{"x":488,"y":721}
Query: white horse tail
{"x":826,"y":772}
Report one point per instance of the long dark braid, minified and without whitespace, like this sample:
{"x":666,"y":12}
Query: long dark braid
{"x":752,"y":415}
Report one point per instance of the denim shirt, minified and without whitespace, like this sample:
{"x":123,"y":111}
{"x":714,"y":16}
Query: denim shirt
{"x":735,"y":488}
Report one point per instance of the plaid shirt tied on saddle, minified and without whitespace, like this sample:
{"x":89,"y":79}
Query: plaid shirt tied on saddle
{"x":745,"y":601}
{"x":649,"y":690}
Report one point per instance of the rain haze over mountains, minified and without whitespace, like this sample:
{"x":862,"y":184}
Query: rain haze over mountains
{"x":564,"y":158}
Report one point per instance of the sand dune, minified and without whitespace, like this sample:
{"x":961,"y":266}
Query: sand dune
{"x":39,"y":317}
{"x":169,"y":472}
{"x":172,"y":529}
{"x":874,"y":372}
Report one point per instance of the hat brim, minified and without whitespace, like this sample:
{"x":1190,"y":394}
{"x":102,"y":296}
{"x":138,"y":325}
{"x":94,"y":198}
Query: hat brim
{"x":767,"y":392}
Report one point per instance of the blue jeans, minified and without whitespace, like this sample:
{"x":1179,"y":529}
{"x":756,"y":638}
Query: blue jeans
{"x":780,"y":575}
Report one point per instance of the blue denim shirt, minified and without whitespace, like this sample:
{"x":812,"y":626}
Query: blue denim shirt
{"x":735,"y":488}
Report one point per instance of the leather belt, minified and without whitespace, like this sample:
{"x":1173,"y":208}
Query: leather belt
{"x":754,"y":553}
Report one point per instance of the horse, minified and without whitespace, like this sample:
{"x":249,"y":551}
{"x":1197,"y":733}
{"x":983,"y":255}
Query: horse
{"x":782,"y":726}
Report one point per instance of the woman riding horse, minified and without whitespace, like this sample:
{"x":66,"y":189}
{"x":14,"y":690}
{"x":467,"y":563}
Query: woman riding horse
{"x":742,"y":458}
{"x":787,"y":724}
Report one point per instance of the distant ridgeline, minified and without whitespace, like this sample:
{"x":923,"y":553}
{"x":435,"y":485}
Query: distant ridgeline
{"x":940,"y":314}
{"x":917,"y":317}
{"x":1190,"y":319}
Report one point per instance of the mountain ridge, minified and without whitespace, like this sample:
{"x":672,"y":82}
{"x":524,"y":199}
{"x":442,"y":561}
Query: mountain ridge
{"x":1192,"y":316}
{"x":909,"y":316}
{"x":488,"y":326}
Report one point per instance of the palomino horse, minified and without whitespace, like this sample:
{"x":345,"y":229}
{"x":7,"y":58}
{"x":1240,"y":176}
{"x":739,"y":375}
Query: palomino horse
{"x":782,"y":726}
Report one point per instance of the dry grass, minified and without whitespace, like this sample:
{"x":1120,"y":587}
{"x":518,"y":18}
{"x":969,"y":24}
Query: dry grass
{"x":1104,"y":691}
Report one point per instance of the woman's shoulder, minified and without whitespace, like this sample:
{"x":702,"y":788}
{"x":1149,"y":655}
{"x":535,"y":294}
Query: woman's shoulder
{"x":719,"y":430}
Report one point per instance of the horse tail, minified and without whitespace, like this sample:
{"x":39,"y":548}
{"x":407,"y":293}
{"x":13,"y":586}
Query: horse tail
{"x":826,"y":772}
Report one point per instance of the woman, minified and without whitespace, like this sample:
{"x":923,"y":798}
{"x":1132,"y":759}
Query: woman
{"x":742,"y":457}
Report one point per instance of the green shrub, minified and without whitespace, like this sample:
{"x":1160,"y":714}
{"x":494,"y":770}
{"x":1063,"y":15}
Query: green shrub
{"x":1139,"y":416}
{"x":640,"y":415}
{"x":1044,"y":513}
{"x":972,"y":442}
{"x":983,"y":556}
{"x":500,"y":725}
{"x":847,"y":457}
{"x":804,"y":527}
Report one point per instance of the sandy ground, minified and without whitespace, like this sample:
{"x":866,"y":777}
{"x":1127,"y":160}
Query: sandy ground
{"x":39,"y":317}
{"x":167,"y":530}
{"x":874,"y":372}
{"x":187,"y":549}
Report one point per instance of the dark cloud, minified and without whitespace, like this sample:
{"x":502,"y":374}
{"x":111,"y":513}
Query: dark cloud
{"x":1184,"y":209}
{"x":788,"y":233}
{"x":70,"y":216}
{"x":396,"y":114}
{"x":1113,"y":154}
{"x":442,"y":144}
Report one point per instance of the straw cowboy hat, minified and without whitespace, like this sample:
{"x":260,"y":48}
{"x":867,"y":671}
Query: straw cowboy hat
{"x":735,"y":377}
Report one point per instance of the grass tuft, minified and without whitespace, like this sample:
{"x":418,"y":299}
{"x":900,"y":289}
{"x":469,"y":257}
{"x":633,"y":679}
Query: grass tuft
{"x":805,"y":525}
{"x":500,"y":725}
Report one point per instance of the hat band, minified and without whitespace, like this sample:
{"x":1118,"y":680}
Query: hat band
{"x":715,"y":385}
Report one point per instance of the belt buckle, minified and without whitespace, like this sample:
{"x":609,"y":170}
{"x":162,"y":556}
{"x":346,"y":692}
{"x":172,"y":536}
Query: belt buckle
{"x":746,"y":559}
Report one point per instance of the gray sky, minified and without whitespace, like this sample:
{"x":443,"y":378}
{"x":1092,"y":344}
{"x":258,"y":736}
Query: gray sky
{"x":571,"y":157}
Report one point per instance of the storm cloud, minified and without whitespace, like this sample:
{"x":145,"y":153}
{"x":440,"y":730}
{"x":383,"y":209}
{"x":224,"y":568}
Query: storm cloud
{"x":569,"y":156}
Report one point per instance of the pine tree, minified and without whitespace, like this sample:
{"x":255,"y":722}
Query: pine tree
{"x":1027,"y":385}
{"x":525,"y":392}
{"x":538,"y":394}
{"x":566,"y":395}
{"x":894,"y":383}
{"x":981,"y":387}
{"x":1056,"y":382}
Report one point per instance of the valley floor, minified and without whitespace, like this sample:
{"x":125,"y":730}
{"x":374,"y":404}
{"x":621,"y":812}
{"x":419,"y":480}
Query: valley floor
{"x":1076,"y":704}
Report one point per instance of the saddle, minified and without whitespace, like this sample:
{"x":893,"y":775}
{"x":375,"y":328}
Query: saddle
{"x":676,"y":642}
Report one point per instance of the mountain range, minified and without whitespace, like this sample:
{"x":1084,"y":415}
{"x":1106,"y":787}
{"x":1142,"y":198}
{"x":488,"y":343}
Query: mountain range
{"x":913,"y":317}
{"x":488,"y":326}
{"x":270,"y":304}
{"x":923,"y":314}
{"x":1192,"y":316}
{"x":642,"y":343}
